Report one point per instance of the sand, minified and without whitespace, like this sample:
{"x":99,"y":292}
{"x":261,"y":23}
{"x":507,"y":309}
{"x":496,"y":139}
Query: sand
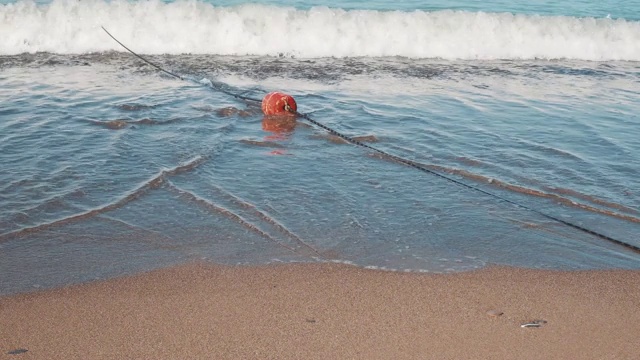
{"x":329,"y":311}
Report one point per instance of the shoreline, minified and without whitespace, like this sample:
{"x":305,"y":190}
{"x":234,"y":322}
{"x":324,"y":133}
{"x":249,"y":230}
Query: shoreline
{"x":319,"y":311}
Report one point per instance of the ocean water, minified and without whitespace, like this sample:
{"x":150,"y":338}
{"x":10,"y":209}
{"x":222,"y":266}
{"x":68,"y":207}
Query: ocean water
{"x":522,"y":115}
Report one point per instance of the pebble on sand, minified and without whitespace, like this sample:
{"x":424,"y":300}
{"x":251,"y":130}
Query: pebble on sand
{"x":17,"y":351}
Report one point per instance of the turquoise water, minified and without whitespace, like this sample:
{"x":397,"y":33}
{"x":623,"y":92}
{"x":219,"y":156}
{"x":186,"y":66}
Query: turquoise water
{"x":597,"y":9}
{"x":108,"y":166}
{"x":629,"y":9}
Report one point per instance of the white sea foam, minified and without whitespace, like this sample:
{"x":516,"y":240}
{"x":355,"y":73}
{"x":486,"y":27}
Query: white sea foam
{"x":154,"y":27}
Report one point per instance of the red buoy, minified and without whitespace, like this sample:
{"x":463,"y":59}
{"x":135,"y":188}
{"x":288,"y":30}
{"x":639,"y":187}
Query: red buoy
{"x":278,"y":104}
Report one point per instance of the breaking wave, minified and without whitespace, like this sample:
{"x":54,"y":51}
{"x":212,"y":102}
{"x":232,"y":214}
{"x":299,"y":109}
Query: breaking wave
{"x":155,"y":27}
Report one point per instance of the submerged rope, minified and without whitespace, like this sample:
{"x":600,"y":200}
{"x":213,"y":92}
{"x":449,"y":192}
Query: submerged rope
{"x":408,"y":162}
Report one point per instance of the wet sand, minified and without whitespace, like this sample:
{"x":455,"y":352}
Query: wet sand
{"x":329,"y":311}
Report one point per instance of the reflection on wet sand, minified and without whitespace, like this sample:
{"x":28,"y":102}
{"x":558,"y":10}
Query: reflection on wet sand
{"x":279,"y":124}
{"x":279,"y":128}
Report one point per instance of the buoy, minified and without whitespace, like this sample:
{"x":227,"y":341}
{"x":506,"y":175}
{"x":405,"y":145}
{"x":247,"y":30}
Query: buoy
{"x":278,"y":104}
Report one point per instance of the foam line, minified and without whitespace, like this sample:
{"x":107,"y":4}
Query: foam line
{"x":136,"y":193}
{"x":226,"y":212}
{"x":247,"y":205}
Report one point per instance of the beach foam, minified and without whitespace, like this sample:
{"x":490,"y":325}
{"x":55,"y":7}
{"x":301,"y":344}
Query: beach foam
{"x":154,"y":27}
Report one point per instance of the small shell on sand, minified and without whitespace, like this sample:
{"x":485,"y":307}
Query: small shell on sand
{"x":494,"y":313}
{"x":534,"y":324}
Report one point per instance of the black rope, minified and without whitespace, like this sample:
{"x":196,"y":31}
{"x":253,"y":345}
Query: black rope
{"x":241,"y":97}
{"x":422,"y":168}
{"x":407,"y":162}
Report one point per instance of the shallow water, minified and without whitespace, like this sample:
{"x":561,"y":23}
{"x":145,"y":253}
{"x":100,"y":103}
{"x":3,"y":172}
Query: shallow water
{"x":111,"y":167}
{"x":114,"y":168}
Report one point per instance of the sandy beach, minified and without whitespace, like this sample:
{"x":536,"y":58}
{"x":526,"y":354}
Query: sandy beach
{"x":329,"y":311}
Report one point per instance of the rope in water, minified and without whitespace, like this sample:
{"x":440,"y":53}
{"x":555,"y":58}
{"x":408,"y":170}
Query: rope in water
{"x":404,"y":161}
{"x":176,"y":75}
{"x":420,"y":167}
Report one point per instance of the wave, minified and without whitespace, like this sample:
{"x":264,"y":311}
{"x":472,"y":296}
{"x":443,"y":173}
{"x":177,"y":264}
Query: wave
{"x":155,"y":27}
